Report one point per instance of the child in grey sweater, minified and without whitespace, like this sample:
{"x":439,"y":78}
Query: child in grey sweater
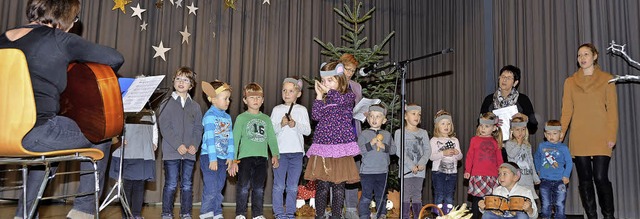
{"x":375,"y":145}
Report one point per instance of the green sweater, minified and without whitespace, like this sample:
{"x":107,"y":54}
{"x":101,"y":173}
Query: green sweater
{"x":252,"y":133}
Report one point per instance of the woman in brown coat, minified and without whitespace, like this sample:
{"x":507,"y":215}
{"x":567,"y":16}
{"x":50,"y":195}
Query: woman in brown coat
{"x":590,"y":109}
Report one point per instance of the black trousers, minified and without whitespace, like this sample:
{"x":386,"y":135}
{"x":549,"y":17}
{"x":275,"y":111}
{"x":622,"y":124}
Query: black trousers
{"x":595,"y":170}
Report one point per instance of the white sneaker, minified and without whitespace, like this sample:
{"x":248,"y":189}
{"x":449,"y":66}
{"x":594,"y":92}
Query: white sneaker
{"x":241,"y":217}
{"x":259,"y":217}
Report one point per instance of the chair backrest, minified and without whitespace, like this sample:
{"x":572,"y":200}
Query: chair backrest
{"x":17,"y":104}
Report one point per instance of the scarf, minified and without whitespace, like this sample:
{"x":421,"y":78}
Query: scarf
{"x":510,"y":100}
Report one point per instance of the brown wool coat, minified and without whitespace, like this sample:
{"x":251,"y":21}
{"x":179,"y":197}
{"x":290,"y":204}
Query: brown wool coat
{"x":590,"y":110}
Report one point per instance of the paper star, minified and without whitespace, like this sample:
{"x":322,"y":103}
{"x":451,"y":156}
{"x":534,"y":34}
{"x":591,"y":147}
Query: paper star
{"x":185,"y":35}
{"x":160,"y":50}
{"x":120,"y":5}
{"x":143,"y":26}
{"x":266,"y":1}
{"x":214,"y":35}
{"x":137,"y":11}
{"x":230,"y":4}
{"x":170,"y":1}
{"x":192,"y":9}
{"x":178,"y":3}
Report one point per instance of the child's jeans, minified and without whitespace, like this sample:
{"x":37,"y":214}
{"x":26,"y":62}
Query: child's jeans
{"x":373,"y":188}
{"x":174,"y":170}
{"x":444,"y":186}
{"x":553,"y":193}
{"x":213,"y":184}
{"x":286,"y":177}
{"x":252,"y":173}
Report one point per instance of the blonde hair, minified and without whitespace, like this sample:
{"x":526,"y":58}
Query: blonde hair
{"x":436,"y":130}
{"x":252,"y":88}
{"x":405,"y":113}
{"x":497,"y":134}
{"x":520,"y":118}
{"x":343,"y":82}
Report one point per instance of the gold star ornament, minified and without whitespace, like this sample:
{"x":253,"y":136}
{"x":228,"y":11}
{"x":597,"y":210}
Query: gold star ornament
{"x":230,"y":4}
{"x":120,"y":5}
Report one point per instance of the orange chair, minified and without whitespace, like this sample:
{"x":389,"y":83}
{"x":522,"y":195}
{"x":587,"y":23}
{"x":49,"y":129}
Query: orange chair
{"x":18,"y":115}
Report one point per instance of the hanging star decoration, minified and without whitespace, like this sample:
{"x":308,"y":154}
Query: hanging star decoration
{"x":230,"y":4}
{"x":266,"y":1}
{"x":159,"y":4}
{"x":137,"y":11}
{"x":170,"y":1}
{"x":143,"y":26}
{"x":160,"y":50}
{"x":185,"y":35}
{"x":192,"y":9}
{"x":178,"y":3}
{"x":120,"y":5}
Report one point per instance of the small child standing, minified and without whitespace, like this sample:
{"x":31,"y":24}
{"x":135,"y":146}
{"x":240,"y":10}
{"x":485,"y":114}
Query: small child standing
{"x":554,"y":164}
{"x":519,"y":151}
{"x":375,"y":146}
{"x":290,"y":123}
{"x":483,"y":159}
{"x":217,"y":148}
{"x":417,"y":152}
{"x":141,"y":142}
{"x":334,"y":141}
{"x":445,"y":154}
{"x":180,"y":123}
{"x":509,"y":174}
{"x":253,"y":132}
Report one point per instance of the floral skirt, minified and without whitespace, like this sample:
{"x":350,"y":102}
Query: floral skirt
{"x":335,"y":170}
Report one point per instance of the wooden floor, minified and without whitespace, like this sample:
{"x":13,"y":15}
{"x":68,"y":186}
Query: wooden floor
{"x":57,"y":211}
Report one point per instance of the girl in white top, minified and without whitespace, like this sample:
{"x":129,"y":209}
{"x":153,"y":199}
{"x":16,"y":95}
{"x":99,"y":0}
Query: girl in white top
{"x":445,"y":154}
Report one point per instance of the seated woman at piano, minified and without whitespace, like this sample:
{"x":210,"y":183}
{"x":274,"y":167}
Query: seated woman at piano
{"x":49,"y":49}
{"x":509,"y":200}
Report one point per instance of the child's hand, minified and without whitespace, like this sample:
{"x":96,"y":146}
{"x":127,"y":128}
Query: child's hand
{"x":481,"y":205}
{"x":233,"y":169}
{"x":527,"y":206}
{"x":565,"y":180}
{"x":381,"y":145}
{"x":192,"y":149}
{"x":415,"y":170}
{"x":284,"y":122}
{"x":292,"y":123}
{"x":319,"y":90}
{"x":467,"y":175}
{"x":228,"y":163}
{"x":609,"y":144}
{"x":213,"y":165}
{"x":455,"y":151}
{"x":182,"y":149}
{"x":421,"y":167}
{"x":274,"y":162}
{"x":155,"y":147}
{"x":125,"y":142}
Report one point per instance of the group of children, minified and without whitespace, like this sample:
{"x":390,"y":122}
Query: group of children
{"x":242,"y":149}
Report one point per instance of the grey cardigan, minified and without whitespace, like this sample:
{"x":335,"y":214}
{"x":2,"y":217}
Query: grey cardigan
{"x":180,"y":125}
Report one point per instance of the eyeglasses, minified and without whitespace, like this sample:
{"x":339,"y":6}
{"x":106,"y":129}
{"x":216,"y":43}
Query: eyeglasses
{"x":76,"y":19}
{"x":506,"y":77}
{"x":183,"y":80}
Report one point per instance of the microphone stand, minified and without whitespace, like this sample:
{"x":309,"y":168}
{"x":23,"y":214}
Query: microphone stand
{"x":403,"y":77}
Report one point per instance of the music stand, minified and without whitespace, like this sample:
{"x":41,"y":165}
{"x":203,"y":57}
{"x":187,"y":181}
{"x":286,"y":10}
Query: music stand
{"x":135,"y":97}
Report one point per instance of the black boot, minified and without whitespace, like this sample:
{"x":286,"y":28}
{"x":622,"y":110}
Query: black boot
{"x":587,"y":196}
{"x":605,"y":197}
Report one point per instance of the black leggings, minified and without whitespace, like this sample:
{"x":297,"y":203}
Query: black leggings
{"x":595,"y":170}
{"x":134,"y":190}
{"x":337,"y":201}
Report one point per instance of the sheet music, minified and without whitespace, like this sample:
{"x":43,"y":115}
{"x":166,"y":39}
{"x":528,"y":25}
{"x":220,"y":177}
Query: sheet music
{"x":505,"y":115}
{"x":362,"y":107}
{"x":139,"y":93}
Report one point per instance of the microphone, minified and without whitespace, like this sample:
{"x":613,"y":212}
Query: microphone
{"x":367,"y":69}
